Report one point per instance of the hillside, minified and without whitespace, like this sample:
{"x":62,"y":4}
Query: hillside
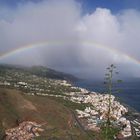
{"x":35,"y":106}
{"x":16,"y":107}
{"x":41,"y":71}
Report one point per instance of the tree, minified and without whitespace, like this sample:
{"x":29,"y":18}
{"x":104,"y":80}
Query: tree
{"x":109,"y":82}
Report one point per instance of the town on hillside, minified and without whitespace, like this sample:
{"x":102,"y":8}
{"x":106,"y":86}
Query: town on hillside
{"x":91,"y":117}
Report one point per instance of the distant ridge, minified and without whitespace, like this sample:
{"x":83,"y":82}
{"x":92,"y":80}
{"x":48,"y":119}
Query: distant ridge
{"x":41,"y":71}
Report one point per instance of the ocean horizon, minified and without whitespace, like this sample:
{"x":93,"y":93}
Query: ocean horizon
{"x":129,"y":91}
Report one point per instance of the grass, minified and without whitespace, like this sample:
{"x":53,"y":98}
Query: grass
{"x":70,"y":104}
{"x":16,"y":107}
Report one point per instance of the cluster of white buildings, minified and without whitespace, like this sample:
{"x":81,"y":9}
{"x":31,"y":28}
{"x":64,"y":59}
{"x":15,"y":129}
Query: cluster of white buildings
{"x":98,"y":112}
{"x":100,"y":103}
{"x":95,"y":114}
{"x":25,"y":131}
{"x":5,"y":83}
{"x":64,"y":83}
{"x":136,"y":127}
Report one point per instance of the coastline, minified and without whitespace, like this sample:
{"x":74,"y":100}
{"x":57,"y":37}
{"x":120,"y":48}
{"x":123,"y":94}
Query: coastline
{"x":131,"y":118}
{"x":92,"y":86}
{"x":89,"y":105}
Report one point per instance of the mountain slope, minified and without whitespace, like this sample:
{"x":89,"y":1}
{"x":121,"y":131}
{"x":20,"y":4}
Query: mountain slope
{"x":39,"y":71}
{"x":15,"y":107}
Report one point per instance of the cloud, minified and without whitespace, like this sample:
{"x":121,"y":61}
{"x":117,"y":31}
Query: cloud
{"x":86,"y":43}
{"x":117,"y":33}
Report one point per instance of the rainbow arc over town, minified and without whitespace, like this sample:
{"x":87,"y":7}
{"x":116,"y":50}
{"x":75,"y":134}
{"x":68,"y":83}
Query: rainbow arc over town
{"x":44,"y":44}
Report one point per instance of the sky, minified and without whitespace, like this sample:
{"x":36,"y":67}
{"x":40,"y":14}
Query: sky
{"x":81,"y":37}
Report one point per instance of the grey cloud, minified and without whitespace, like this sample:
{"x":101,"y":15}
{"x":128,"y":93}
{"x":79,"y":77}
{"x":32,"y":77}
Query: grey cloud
{"x":62,"y":21}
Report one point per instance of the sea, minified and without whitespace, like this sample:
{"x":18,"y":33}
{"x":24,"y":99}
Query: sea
{"x":129,"y":91}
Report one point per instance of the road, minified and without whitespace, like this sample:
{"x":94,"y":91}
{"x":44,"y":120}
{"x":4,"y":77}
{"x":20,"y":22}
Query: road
{"x":82,"y":128}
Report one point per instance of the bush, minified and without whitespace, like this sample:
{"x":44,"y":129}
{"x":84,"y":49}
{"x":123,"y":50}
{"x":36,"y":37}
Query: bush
{"x":109,"y":132}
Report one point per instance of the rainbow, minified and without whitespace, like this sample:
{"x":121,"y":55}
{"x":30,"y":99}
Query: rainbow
{"x":55,"y":43}
{"x":126,"y":56}
{"x":22,"y":49}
